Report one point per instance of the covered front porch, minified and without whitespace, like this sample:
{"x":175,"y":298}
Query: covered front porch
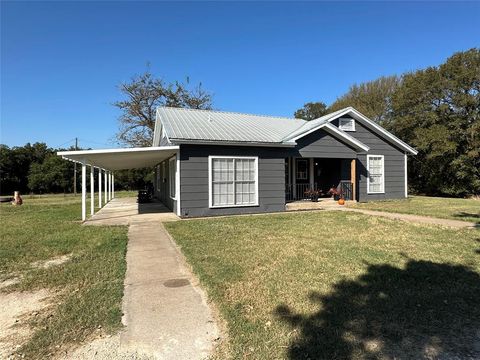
{"x":318,"y":175}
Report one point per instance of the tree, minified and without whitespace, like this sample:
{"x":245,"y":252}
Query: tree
{"x":437,"y":110}
{"x":144,"y":93}
{"x":53,"y":175}
{"x":311,"y":111}
{"x":373,"y":98}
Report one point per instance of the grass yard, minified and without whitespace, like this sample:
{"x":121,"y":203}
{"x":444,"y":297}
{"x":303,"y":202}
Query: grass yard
{"x":448,"y":208}
{"x":86,"y":290}
{"x":338,"y":285}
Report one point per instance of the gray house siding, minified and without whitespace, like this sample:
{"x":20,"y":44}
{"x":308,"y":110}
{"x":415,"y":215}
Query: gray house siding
{"x":162,"y":185}
{"x":194,"y":179}
{"x":320,"y":144}
{"x":394,"y":163}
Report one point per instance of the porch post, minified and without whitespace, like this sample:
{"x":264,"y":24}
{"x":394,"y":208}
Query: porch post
{"x":294,"y":178}
{"x":92,"y":189}
{"x":113,"y":185}
{"x":406,"y":177}
{"x":99,"y":187}
{"x":353,"y":177}
{"x":84,"y":191}
{"x":105,"y":186}
{"x":312,"y":179}
{"x":109,"y":185}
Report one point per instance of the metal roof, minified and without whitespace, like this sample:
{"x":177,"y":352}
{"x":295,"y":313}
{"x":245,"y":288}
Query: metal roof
{"x":118,"y":159}
{"x":210,"y":125}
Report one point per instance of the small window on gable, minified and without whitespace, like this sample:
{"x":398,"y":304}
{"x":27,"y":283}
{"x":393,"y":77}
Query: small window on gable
{"x":346,"y":124}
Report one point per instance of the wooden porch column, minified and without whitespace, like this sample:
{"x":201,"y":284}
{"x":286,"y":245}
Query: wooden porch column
{"x":353,"y":177}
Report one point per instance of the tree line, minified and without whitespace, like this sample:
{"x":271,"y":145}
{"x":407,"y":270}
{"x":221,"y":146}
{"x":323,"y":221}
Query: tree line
{"x":36,"y":168}
{"x":436,"y":110}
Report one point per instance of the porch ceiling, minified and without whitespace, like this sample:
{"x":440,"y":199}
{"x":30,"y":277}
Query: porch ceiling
{"x":119,"y":159}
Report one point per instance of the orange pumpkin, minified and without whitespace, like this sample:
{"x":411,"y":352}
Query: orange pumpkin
{"x":341,"y":202}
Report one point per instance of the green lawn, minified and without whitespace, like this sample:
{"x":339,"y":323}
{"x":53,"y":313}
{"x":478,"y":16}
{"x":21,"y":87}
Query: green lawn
{"x":86,"y":290}
{"x":338,"y":285}
{"x":448,"y":208}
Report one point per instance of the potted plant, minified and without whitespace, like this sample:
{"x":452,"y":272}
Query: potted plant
{"x":313,"y":194}
{"x":337,"y":195}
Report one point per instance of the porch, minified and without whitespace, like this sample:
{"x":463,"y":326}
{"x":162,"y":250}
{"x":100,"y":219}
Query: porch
{"x":307,"y":176}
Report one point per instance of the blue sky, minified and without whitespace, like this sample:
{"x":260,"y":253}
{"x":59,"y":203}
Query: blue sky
{"x":61,"y":62}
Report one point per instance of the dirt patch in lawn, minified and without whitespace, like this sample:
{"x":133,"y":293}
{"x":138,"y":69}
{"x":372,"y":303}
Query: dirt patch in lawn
{"x":52,"y":262}
{"x":105,"y":347}
{"x":16,"y":309}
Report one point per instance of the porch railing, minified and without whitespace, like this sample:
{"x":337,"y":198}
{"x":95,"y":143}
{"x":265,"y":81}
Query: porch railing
{"x":346,"y":188}
{"x":296,"y":192}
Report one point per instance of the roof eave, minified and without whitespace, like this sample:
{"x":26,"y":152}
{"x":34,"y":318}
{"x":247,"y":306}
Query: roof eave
{"x":288,"y":144}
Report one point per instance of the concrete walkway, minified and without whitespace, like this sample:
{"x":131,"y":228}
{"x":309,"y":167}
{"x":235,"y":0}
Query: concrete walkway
{"x":166,"y":315}
{"x":124,"y":211}
{"x":415,"y":218}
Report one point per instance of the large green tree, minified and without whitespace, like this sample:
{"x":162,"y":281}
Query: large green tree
{"x":53,"y":175}
{"x":437,"y":110}
{"x":372,"y":98}
{"x":311,"y":111}
{"x":143,"y":94}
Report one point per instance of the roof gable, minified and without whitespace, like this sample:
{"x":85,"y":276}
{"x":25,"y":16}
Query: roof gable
{"x":320,"y":122}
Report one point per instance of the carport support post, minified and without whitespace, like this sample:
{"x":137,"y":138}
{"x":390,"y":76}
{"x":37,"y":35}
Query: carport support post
{"x":84,"y":191}
{"x":92,"y":189}
{"x":99,"y":188}
{"x":105,"y":185}
{"x":109,"y":185}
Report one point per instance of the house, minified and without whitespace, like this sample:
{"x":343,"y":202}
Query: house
{"x":217,"y":163}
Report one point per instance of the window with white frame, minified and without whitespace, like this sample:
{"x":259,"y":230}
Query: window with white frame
{"x":376,"y":174}
{"x":233,"y":181}
{"x":172,"y":174}
{"x":346,"y":124}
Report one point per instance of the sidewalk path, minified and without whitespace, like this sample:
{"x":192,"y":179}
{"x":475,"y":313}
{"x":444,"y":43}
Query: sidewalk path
{"x":165,"y":314}
{"x":415,"y":218}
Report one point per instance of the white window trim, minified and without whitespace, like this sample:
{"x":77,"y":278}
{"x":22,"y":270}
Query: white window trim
{"x":346,"y":119}
{"x":174,"y":158}
{"x":383,"y":174}
{"x":210,"y":182}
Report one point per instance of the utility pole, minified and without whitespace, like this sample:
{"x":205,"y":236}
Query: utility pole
{"x":75,"y":171}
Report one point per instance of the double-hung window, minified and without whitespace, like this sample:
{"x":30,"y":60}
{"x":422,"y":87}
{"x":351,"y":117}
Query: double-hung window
{"x":376,"y":174}
{"x":172,"y":174}
{"x":233,"y":181}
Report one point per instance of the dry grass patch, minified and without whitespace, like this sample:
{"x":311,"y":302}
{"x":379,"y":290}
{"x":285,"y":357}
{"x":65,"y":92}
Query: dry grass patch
{"x":444,"y":208}
{"x":326,"y":285}
{"x":44,"y":248}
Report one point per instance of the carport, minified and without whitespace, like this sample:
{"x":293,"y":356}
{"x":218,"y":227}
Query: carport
{"x":106,"y":161}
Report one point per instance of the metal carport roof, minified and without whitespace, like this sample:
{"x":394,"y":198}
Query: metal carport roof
{"x":119,"y":159}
